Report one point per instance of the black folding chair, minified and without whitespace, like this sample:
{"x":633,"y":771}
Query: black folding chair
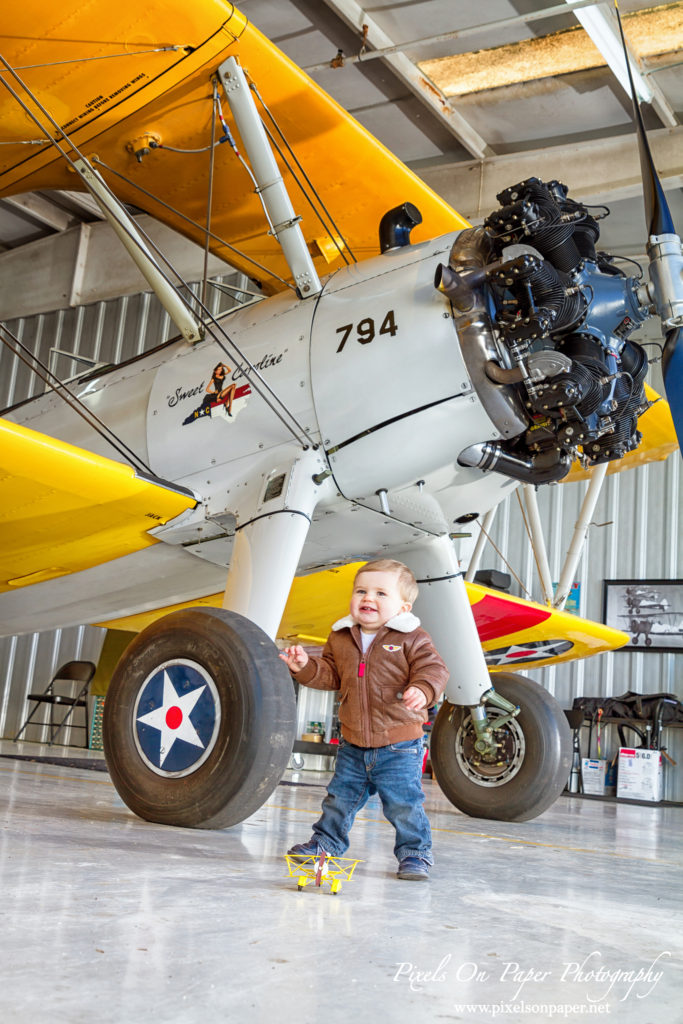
{"x":75,"y":677}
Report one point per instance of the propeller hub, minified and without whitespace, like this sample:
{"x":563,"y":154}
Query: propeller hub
{"x":666,"y":278}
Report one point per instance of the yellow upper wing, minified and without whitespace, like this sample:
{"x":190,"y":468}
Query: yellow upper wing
{"x":659,"y":441}
{"x":114,"y":76}
{"x":63,"y":509}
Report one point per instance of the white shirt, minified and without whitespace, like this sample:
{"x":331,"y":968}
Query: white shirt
{"x":366,"y":639}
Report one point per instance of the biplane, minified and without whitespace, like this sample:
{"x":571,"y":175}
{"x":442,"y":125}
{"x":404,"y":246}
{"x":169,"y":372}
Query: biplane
{"x":648,"y":612}
{"x":216,"y":492}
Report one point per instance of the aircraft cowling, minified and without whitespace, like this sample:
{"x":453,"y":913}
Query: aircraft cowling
{"x":393,"y":395}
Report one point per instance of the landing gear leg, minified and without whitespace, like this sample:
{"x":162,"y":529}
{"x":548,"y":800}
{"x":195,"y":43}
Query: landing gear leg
{"x":501,"y":746}
{"x":268,"y":545}
{"x":444,"y":609}
{"x":522,"y":771}
{"x":200,"y":715}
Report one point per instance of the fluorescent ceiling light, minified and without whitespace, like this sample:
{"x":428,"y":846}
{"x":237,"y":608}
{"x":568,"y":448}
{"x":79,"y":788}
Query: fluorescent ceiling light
{"x":601,"y":25}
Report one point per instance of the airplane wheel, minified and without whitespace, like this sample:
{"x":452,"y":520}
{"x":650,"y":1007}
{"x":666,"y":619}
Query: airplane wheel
{"x":533,"y":761}
{"x":199,"y":720}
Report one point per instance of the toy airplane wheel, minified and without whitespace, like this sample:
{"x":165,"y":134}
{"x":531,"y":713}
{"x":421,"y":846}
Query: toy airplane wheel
{"x":199,"y":720}
{"x":532,"y":761}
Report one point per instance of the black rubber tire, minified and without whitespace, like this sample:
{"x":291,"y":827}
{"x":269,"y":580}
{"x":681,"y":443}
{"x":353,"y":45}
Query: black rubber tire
{"x":256,"y":734}
{"x":544,"y":768}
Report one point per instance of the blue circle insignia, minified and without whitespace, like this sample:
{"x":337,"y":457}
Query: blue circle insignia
{"x":176,"y":718}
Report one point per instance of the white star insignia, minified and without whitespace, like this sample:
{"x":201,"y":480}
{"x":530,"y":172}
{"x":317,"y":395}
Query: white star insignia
{"x":172,"y":719}
{"x":521,"y":652}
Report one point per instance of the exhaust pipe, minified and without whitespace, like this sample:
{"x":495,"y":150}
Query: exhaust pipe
{"x":544,"y":468}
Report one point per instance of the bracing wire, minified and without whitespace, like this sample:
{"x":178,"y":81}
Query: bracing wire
{"x":503,"y":559}
{"x":238,"y":289}
{"x":210,"y":318}
{"x":193,"y":223}
{"x":306,"y":178}
{"x":291,"y":170}
{"x":102,"y":56}
{"x":22,"y":352}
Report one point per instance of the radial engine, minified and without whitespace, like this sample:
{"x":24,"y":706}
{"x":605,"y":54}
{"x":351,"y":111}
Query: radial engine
{"x":554,"y":317}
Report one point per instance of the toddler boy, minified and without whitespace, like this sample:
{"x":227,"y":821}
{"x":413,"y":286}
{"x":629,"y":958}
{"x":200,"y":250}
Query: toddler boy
{"x":389,"y":673}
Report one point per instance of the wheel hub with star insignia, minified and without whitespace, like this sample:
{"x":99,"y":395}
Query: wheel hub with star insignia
{"x":177,"y":715}
{"x":199,"y":720}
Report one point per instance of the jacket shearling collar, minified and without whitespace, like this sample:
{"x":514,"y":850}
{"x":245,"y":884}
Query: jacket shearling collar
{"x":404,"y":622}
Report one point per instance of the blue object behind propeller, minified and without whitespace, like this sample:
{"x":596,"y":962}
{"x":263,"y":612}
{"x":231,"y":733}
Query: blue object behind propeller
{"x":668,"y":287}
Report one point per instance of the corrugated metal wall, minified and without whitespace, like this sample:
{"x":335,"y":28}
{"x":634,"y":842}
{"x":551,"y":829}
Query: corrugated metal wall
{"x":105,"y":332}
{"x":642,"y":509}
{"x":27,"y":664}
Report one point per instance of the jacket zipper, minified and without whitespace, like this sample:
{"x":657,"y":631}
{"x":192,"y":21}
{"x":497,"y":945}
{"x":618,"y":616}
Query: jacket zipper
{"x":365,"y":696}
{"x":365,"y":710}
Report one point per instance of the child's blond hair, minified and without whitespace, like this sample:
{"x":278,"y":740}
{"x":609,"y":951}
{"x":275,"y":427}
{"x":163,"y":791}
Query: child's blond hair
{"x":407,"y":584}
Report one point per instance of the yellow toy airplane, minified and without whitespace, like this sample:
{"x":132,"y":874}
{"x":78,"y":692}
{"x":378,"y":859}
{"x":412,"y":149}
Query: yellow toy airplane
{"x":376,"y":400}
{"x":321,"y":870}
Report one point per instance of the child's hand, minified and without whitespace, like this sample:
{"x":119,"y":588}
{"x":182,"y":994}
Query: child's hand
{"x":414,"y":698}
{"x":295,"y":658}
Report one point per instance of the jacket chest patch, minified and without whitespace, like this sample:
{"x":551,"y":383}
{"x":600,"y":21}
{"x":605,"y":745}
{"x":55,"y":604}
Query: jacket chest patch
{"x":391,"y":647}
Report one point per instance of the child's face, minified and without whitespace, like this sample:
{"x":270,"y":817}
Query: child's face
{"x":376,"y":599}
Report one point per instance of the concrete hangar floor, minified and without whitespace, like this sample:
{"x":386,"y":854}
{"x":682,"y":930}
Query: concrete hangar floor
{"x":573,"y":916}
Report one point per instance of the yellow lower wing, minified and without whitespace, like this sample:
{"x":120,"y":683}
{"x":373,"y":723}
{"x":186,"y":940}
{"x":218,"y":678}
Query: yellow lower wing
{"x":515,"y":633}
{"x":63,"y":509}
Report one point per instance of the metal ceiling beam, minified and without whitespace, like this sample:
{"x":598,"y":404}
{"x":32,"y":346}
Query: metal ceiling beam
{"x":88,"y":264}
{"x":84,"y":203}
{"x":460,"y":33}
{"x":356,"y":18}
{"x":41,"y":210}
{"x":600,"y":23}
{"x":598,"y":171}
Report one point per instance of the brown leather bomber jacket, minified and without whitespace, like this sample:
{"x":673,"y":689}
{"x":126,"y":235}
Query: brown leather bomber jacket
{"x":401,"y":655}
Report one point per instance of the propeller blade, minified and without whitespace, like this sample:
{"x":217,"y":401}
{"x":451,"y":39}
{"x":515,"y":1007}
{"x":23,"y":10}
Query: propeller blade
{"x":664,"y":271}
{"x":657,"y":212}
{"x":672,"y":368}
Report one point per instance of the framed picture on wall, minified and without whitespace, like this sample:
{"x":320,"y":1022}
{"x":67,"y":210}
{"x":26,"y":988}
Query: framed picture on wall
{"x":651,"y":611}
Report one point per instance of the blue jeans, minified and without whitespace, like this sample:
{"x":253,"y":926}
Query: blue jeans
{"x":395,"y":773}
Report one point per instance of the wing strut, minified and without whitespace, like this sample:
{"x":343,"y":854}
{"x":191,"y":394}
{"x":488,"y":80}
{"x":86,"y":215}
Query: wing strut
{"x":538,"y":542}
{"x":484,"y":531}
{"x":557,"y":597}
{"x":575,"y":551}
{"x":271,"y":187}
{"x":132,"y":240}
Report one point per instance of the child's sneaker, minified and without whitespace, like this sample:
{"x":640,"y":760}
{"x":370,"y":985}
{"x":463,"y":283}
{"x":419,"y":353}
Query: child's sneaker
{"x":413,"y":869}
{"x":304,"y":850}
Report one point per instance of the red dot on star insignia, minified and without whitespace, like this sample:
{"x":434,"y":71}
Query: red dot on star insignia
{"x":174,"y":717}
